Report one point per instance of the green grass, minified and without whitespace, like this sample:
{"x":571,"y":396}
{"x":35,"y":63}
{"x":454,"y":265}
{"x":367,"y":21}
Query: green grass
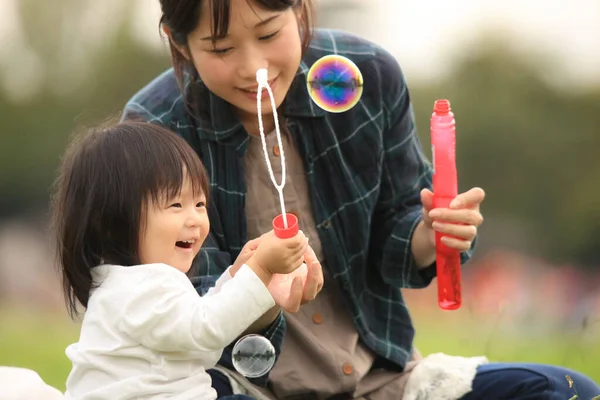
{"x":557,"y":349}
{"x":38,"y":342}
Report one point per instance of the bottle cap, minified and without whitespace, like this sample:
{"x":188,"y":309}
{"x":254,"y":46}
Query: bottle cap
{"x":279,"y":228}
{"x":441,"y":107}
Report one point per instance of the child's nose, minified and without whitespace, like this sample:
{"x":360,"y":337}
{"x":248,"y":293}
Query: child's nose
{"x":194,"y":219}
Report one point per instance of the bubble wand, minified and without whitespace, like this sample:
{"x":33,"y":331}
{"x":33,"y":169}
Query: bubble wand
{"x":284,"y":225}
{"x":253,"y":355}
{"x":445,"y":189}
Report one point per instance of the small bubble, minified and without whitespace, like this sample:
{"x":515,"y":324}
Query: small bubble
{"x":253,"y":356}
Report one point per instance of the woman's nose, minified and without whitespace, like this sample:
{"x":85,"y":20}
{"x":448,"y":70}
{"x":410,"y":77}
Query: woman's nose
{"x":250,"y":62}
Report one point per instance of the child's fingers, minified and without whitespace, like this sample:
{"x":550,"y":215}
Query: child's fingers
{"x":298,"y":259}
{"x":296,"y":242}
{"x":252,"y":245}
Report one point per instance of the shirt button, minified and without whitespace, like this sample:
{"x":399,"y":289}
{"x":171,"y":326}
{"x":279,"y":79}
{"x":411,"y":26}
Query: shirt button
{"x":276,"y":150}
{"x":347,"y":368}
{"x":327,"y":224}
{"x":317,"y":318}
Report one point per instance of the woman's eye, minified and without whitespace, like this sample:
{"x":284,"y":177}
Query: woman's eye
{"x":221,"y":51}
{"x":270,"y":36}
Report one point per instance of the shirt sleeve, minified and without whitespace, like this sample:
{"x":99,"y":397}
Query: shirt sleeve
{"x":216,"y":288}
{"x":405,"y":172}
{"x":162,"y":314}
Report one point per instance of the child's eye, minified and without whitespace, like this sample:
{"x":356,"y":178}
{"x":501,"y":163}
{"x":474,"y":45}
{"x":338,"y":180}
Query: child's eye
{"x":201,"y":204}
{"x":178,"y":205}
{"x":270,"y":36}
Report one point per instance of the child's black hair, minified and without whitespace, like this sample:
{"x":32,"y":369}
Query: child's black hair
{"x":107,"y":178}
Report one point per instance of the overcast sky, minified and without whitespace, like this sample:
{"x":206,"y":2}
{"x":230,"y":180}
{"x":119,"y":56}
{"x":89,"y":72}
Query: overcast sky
{"x":419,"y":32}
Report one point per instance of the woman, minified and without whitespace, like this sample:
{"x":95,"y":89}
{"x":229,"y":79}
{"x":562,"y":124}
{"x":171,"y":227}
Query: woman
{"x":357,"y":180}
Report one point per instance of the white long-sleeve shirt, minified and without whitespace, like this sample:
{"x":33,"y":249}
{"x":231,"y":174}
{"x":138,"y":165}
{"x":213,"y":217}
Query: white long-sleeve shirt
{"x":147,"y":334}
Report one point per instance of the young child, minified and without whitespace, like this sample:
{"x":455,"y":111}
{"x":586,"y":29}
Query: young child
{"x":130,"y":216}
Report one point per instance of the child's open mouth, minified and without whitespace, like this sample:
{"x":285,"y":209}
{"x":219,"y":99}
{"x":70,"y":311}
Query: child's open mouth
{"x":185,"y":244}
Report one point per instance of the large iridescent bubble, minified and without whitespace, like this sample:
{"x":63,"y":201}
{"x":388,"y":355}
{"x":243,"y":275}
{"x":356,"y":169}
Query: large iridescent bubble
{"x":334,"y":83}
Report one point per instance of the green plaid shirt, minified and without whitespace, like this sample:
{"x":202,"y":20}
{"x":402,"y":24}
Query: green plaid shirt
{"x":365,"y":169}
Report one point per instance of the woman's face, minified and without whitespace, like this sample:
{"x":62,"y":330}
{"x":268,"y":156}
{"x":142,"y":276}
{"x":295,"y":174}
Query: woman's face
{"x":257,"y":38}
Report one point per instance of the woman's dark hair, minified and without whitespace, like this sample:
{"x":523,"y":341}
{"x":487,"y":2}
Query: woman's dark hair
{"x":107,"y":179}
{"x":181,"y":17}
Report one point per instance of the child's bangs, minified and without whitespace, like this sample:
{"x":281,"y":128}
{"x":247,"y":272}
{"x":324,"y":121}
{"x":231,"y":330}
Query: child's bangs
{"x":170,"y":160}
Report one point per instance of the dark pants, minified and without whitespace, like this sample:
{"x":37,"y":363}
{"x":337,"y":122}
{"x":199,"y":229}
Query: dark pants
{"x":503,"y":381}
{"x":221,"y":384}
{"x":530,"y":381}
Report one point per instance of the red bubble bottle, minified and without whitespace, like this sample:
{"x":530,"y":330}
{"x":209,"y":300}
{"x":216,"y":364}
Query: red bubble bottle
{"x":445,"y":189}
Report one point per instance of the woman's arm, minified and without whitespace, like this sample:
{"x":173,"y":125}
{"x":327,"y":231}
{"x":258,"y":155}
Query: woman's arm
{"x":399,"y":242}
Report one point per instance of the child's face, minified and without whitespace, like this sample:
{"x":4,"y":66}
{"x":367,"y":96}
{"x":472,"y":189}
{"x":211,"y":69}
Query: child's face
{"x":175,"y":229}
{"x":256,"y":39}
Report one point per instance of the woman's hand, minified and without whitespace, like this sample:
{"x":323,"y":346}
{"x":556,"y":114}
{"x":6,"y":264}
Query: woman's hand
{"x":290,"y":291}
{"x":459,"y":222}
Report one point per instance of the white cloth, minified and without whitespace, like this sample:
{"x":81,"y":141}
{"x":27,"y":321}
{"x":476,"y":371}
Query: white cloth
{"x":147,"y":334}
{"x":25,"y":384}
{"x":442,"y":377}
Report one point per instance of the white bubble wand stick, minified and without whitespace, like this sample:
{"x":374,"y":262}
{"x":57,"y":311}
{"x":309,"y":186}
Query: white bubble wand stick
{"x":262,"y":79}
{"x":254,"y":355}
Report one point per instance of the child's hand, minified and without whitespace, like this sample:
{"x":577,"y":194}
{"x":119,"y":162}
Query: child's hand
{"x":279,"y":256}
{"x":459,"y":222}
{"x":247,"y":252}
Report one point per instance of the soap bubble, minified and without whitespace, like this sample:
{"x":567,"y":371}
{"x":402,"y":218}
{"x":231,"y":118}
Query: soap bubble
{"x":334,"y":83}
{"x":253,"y":356}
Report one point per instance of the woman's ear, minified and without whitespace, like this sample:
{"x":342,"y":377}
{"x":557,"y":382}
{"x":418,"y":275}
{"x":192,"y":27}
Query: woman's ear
{"x":181,"y":49}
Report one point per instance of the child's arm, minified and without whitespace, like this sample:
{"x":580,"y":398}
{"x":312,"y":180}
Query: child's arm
{"x":211,"y":261}
{"x":164,"y":312}
{"x":224,"y":278}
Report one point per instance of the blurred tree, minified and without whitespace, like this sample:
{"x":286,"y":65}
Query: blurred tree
{"x":87,"y":75}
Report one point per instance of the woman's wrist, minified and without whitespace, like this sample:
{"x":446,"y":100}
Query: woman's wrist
{"x":422,"y":248}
